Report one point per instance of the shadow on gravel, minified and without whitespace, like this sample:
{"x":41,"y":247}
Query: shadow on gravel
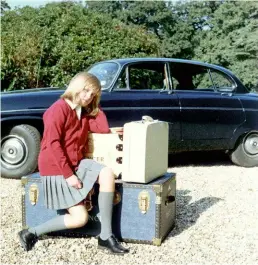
{"x":188,"y":213}
{"x":205,"y":159}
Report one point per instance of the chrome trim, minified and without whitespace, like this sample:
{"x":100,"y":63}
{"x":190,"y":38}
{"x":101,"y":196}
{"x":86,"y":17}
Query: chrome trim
{"x":251,"y":144}
{"x":22,"y":110}
{"x":25,"y":156}
{"x":152,"y":108}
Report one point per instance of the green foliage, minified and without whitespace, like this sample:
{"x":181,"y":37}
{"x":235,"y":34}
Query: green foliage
{"x":113,"y":8}
{"x":47,"y":46}
{"x":219,"y":32}
{"x":232,"y":40}
{"x":175,"y":24}
{"x":20,"y":49}
{"x":4,"y":6}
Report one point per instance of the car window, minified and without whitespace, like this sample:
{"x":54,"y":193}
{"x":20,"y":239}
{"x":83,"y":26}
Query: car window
{"x":186,"y":76}
{"x":202,"y":80}
{"x":175,"y":82}
{"x":221,"y":81}
{"x":105,"y":72}
{"x":141,"y":76}
{"x":189,"y":76}
{"x":121,"y":82}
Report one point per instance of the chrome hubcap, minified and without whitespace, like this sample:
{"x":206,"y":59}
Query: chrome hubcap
{"x":13,"y":150}
{"x":251,"y":144}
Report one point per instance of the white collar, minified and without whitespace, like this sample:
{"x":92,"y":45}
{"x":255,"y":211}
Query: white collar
{"x":71,"y":104}
{"x":75,"y":107}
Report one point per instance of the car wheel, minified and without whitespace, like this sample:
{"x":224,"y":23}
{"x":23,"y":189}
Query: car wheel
{"x":19,"y":151}
{"x":246,"y":153}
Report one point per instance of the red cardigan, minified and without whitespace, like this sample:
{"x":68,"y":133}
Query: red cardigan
{"x":65,"y":138}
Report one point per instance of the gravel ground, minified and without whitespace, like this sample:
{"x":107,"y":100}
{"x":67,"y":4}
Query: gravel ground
{"x":217,"y":213}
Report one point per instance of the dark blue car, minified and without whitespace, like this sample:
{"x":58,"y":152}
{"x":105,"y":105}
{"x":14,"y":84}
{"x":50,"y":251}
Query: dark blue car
{"x":207,"y":108}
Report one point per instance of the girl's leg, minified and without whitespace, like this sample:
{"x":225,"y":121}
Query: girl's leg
{"x":106,"y":239}
{"x":77,"y":217}
{"x":106,"y":182}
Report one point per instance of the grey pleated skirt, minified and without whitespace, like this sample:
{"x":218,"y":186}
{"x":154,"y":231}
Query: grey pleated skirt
{"x":59,"y":195}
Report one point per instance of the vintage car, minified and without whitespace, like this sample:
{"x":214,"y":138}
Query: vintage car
{"x":206,"y":106}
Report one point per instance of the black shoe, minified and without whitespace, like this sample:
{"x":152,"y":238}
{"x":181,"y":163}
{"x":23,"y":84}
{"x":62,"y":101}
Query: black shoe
{"x":112,"y":245}
{"x":27,"y":239}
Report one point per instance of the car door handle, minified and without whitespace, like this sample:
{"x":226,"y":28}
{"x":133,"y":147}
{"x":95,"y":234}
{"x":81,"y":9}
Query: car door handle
{"x":226,"y":94}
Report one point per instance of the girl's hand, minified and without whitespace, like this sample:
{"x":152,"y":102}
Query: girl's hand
{"x":74,"y":182}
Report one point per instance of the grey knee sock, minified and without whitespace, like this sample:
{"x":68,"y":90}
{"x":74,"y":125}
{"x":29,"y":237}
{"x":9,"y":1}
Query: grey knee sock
{"x":105,"y":201}
{"x":52,"y":225}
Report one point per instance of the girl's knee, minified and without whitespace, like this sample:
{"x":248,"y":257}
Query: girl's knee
{"x":78,"y":216}
{"x":107,"y":171}
{"x":107,"y":175}
{"x":81,"y":219}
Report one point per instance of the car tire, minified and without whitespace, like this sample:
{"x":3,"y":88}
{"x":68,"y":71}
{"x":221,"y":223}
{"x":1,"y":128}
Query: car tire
{"x":19,"y":151}
{"x":246,"y":152}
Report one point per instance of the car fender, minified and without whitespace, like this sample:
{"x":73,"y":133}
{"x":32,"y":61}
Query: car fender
{"x":8,"y":122}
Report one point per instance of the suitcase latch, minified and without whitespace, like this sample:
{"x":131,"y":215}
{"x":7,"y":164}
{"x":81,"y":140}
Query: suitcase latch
{"x":144,"y":201}
{"x":33,"y":194}
{"x":119,"y":160}
{"x":119,"y":147}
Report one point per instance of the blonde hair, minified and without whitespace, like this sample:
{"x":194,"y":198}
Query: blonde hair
{"x":79,"y":82}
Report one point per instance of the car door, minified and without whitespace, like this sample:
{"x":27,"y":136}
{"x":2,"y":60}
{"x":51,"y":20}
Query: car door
{"x":209,"y":114}
{"x":142,"y":89}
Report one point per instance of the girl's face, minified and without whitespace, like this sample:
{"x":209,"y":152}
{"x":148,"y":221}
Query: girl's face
{"x":86,"y":96}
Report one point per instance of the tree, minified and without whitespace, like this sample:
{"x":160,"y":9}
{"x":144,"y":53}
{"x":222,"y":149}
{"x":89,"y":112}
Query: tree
{"x":4,"y":6}
{"x":177,"y":25}
{"x":153,"y":15}
{"x":113,"y":8}
{"x":46,"y":46}
{"x":232,"y":40}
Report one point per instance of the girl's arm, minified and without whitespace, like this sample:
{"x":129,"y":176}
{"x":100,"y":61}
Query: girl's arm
{"x":54,"y":126}
{"x":99,"y":123}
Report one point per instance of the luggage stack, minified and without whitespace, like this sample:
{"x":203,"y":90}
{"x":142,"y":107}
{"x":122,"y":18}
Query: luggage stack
{"x":137,"y":152}
{"x":145,"y":193}
{"x":142,"y":213}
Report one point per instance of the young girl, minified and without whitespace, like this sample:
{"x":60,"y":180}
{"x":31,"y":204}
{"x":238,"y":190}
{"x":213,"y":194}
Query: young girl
{"x":67,"y":177}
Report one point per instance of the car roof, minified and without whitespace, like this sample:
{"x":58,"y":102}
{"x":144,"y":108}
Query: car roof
{"x":124,"y":61}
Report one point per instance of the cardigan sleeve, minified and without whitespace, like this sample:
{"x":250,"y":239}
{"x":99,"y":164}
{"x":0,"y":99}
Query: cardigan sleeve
{"x":54,"y":124}
{"x":99,"y":123}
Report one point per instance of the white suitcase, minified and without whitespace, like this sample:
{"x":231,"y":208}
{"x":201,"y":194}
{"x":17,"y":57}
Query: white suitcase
{"x":107,"y":149}
{"x":145,"y":150}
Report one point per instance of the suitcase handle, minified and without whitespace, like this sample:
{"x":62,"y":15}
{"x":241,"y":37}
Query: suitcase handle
{"x":119,"y":147}
{"x":170,"y":199}
{"x":147,"y":119}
